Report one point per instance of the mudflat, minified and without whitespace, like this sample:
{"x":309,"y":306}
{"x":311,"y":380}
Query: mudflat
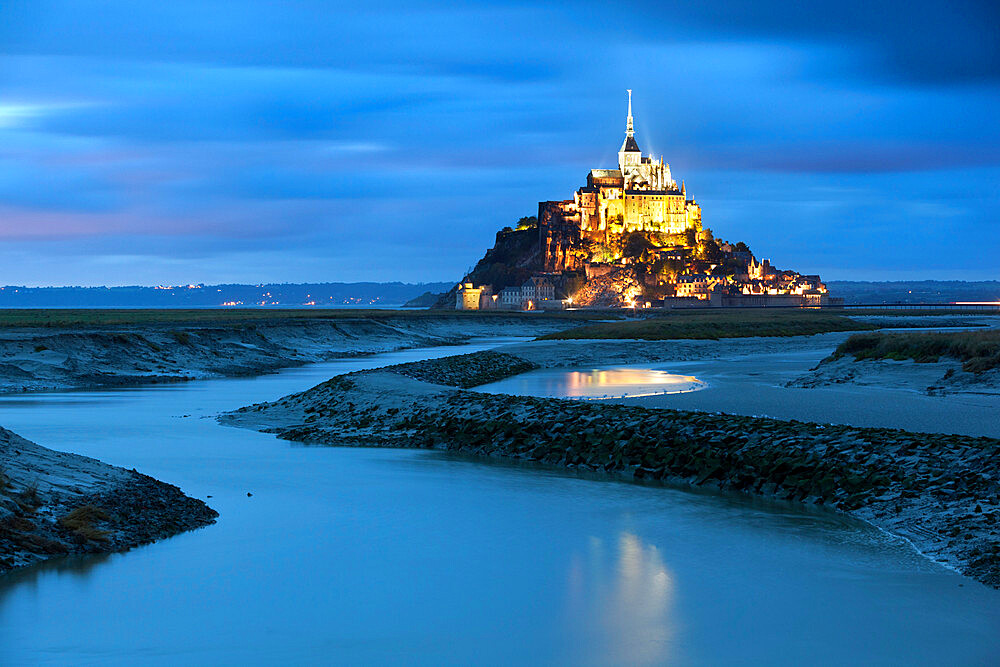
{"x":48,"y":350}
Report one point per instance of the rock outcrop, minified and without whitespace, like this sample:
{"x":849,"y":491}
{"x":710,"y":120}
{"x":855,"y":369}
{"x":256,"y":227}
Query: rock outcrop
{"x":55,"y":503}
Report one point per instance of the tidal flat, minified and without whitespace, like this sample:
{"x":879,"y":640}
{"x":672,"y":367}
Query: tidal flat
{"x":936,"y":488}
{"x":56,"y":349}
{"x":377,"y":541}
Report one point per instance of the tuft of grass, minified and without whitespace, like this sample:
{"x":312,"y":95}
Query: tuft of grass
{"x":979,"y":351}
{"x":28,"y":499}
{"x":714,"y":324}
{"x":81,"y":522}
{"x":182,"y":337}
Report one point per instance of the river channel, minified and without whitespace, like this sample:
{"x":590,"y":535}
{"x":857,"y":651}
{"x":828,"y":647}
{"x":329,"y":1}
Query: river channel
{"x":327,"y":555}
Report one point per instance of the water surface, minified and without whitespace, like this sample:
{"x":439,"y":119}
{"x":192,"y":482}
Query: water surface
{"x":375,"y":556}
{"x":595,"y":383}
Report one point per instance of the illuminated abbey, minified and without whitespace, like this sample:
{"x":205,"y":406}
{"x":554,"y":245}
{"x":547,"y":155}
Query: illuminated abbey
{"x":639,"y":195}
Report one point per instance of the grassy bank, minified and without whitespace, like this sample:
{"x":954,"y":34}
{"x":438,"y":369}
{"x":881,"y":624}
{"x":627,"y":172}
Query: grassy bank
{"x":64,"y":318}
{"x":713,"y":324}
{"x":978,"y":351}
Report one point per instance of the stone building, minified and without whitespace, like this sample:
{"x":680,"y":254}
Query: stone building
{"x":699,"y":286}
{"x":640,"y":195}
{"x":536,"y":290}
{"x":510,"y":298}
{"x":470,"y":297}
{"x":467,"y":297}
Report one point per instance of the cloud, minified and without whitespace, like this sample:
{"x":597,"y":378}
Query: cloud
{"x":188,"y":136}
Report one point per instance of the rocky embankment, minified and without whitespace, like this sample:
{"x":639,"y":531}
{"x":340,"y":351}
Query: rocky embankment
{"x":55,"y":503}
{"x":465,"y":370}
{"x":940,"y":492}
{"x":33,"y":359}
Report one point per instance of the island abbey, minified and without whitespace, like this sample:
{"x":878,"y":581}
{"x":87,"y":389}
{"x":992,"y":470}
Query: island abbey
{"x":629,"y":237}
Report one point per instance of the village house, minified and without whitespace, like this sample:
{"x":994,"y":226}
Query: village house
{"x":698,"y":286}
{"x":510,"y":298}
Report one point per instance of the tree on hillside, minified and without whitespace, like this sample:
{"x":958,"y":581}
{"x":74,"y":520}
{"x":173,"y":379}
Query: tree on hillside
{"x":636,"y":245}
{"x":527,"y":222}
{"x":709,"y":251}
{"x":668,"y":269}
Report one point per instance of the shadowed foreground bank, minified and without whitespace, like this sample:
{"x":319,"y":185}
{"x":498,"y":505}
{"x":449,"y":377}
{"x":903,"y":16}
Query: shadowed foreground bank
{"x":938,"y":491}
{"x":55,"y":503}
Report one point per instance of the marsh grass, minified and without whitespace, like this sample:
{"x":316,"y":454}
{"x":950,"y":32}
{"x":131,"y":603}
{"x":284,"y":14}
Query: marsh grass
{"x":714,"y":324}
{"x":979,"y":351}
{"x":81,"y":522}
{"x":182,"y":337}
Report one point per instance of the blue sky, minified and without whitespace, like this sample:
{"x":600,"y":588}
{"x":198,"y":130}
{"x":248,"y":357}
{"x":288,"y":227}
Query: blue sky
{"x":151,"y":142}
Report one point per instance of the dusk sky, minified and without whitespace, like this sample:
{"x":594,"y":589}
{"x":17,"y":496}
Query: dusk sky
{"x":173,"y":142}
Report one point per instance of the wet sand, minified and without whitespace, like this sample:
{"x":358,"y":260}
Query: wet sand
{"x":748,"y":376}
{"x":755,"y":386}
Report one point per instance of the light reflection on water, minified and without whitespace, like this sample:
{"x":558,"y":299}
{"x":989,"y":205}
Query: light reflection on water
{"x":594,"y":384}
{"x":634,"y":605}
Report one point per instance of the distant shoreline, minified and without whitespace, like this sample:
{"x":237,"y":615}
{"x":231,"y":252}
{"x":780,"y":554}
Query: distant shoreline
{"x":388,"y":295}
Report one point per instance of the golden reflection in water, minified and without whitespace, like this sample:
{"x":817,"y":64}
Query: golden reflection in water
{"x":623,"y":594}
{"x":595,"y":384}
{"x":621,"y":380}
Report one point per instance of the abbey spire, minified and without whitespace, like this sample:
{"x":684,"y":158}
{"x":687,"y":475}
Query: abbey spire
{"x":628,"y":120}
{"x":629,"y":155}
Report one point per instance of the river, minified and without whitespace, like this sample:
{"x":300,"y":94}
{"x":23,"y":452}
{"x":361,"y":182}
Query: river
{"x":372,"y":556}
